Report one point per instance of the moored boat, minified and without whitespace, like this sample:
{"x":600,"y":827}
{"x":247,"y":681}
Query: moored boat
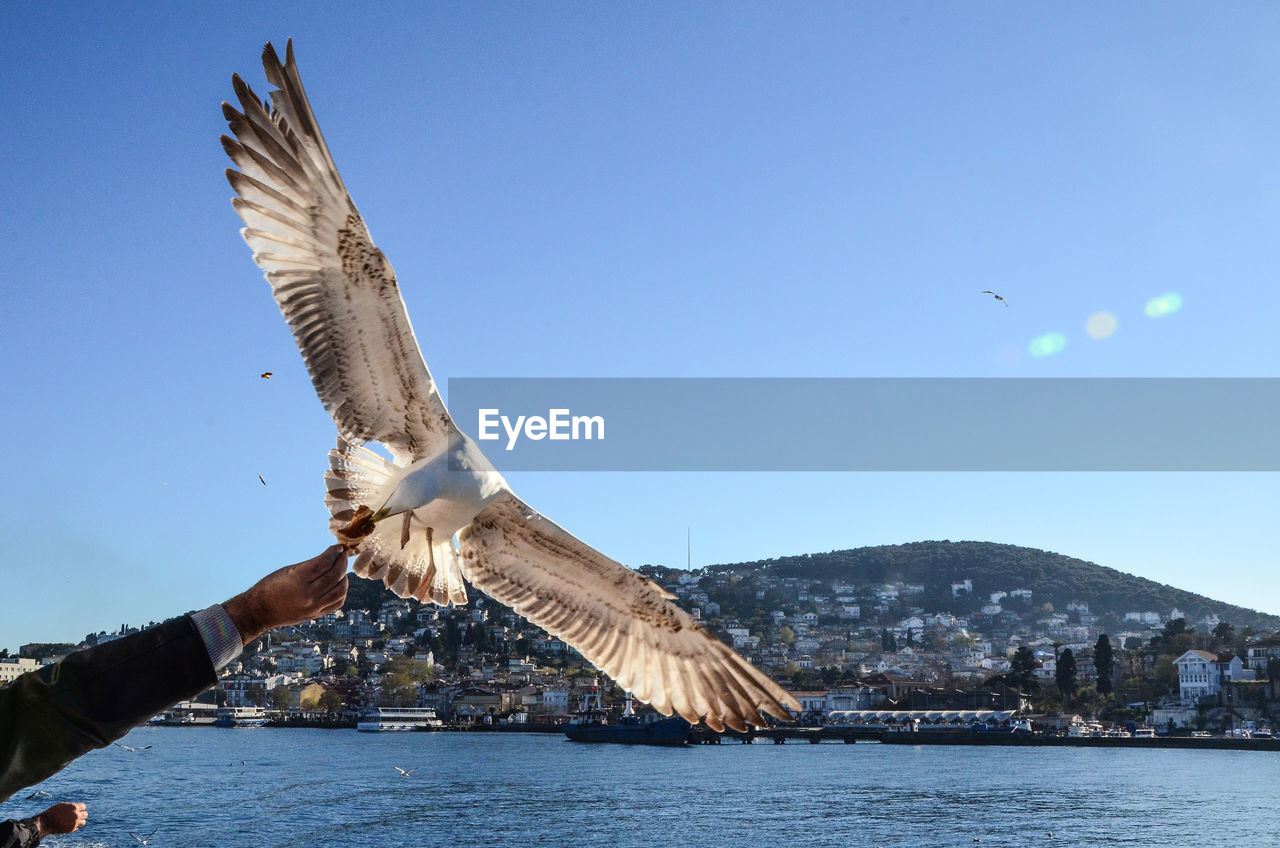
{"x":240,"y":717}
{"x":385,"y":719}
{"x":591,"y":724}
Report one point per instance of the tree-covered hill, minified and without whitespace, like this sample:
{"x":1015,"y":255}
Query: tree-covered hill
{"x":993,"y":567}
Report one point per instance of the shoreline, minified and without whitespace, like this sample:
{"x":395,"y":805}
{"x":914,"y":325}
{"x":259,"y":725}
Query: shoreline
{"x":781,"y":735}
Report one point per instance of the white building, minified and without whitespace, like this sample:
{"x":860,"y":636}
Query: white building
{"x":1201,"y":673}
{"x":12,"y":668}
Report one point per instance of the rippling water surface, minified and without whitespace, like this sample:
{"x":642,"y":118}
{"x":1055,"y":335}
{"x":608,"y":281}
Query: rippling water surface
{"x":264,"y":787}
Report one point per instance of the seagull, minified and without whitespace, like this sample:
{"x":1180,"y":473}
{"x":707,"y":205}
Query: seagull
{"x":263,"y":479}
{"x":997,"y":297}
{"x":404,"y":773}
{"x":266,"y":375}
{"x":455,"y":516}
{"x":39,"y":793}
{"x":142,"y":839}
{"x":128,"y":748}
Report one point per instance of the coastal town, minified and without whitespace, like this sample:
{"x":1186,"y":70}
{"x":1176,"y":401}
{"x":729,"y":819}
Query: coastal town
{"x":839,"y":647}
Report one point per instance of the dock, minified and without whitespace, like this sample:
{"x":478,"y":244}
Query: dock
{"x":701,"y":735}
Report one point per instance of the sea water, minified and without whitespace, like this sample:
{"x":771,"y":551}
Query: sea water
{"x":213,"y":787}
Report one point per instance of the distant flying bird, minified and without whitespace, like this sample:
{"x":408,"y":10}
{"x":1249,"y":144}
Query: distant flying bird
{"x":266,"y":375}
{"x":144,"y":839}
{"x":404,"y":773}
{"x":457,"y":515}
{"x":263,"y":479}
{"x":39,"y":793}
{"x":997,"y":297}
{"x":128,"y":748}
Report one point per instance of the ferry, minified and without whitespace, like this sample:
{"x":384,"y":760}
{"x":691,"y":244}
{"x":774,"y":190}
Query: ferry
{"x":383,"y":719}
{"x":188,"y":714}
{"x":240,"y":717}
{"x":591,"y":724}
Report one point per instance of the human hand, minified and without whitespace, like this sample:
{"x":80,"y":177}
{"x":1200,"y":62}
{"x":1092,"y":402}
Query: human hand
{"x":62,"y":818}
{"x":293,"y":594}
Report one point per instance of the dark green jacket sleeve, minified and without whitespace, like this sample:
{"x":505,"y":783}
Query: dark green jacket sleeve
{"x":50,"y":716}
{"x":19,"y":834}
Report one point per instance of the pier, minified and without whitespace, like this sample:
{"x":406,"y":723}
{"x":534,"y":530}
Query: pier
{"x":701,"y":735}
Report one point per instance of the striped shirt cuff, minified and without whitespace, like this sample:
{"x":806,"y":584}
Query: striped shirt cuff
{"x":220,"y":635}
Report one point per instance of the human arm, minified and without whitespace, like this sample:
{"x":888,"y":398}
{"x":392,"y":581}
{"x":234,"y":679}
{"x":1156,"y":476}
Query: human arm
{"x":27,"y":833}
{"x":292,"y":594}
{"x":91,"y":698}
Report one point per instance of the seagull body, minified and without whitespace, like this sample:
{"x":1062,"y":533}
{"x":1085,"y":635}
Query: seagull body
{"x":454,"y":516}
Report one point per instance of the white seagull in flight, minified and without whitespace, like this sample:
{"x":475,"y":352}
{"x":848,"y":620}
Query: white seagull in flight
{"x":339,"y":295}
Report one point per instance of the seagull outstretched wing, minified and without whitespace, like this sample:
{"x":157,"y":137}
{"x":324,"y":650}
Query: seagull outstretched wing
{"x":342,"y":302}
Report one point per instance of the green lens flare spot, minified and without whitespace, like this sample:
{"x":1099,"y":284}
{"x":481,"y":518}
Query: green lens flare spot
{"x":1165,"y":304}
{"x":1047,"y":345}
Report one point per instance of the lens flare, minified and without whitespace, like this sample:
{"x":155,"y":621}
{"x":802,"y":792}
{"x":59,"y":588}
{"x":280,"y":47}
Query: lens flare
{"x":1047,"y":345}
{"x":1165,"y":304}
{"x":1100,"y":325}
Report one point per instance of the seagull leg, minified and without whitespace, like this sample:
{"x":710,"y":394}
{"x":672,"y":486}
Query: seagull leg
{"x":404,"y":528}
{"x":431,"y":550}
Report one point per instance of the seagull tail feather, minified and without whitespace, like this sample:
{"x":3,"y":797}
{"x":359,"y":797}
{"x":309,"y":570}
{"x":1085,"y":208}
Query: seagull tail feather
{"x":420,"y":566}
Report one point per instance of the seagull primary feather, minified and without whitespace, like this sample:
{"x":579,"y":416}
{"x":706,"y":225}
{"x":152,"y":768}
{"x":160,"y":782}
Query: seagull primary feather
{"x":341,"y":300}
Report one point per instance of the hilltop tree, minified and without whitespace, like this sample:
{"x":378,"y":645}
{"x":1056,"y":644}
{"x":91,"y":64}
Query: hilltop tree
{"x":401,"y":678}
{"x":1105,"y":664}
{"x":1176,"y":638}
{"x":1022,"y":670}
{"x":330,"y":701}
{"x":1066,"y":675}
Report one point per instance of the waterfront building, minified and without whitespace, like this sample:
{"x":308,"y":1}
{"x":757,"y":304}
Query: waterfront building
{"x":11,"y":668}
{"x":1202,"y":673}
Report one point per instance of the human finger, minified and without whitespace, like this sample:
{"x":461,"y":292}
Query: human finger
{"x":336,"y":594}
{"x":333,"y":607}
{"x":329,"y":565}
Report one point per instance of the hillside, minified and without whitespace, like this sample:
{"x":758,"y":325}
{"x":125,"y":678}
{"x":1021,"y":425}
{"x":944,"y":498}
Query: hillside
{"x":993,"y":567}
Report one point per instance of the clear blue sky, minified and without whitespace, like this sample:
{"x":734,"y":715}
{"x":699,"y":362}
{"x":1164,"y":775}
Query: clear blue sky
{"x":600,"y":189}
